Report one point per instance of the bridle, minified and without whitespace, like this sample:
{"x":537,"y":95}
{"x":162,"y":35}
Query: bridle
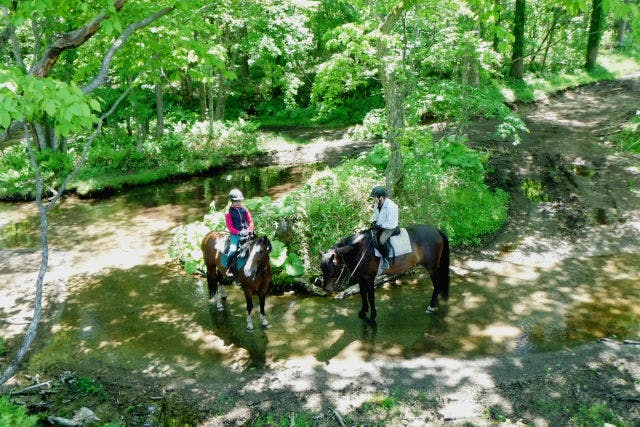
{"x":344,"y":264}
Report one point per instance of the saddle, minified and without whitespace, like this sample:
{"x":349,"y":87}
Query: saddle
{"x":242,"y":252}
{"x":398,"y":244}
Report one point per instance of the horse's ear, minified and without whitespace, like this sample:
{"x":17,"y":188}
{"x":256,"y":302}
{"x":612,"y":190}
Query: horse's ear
{"x":335,"y":259}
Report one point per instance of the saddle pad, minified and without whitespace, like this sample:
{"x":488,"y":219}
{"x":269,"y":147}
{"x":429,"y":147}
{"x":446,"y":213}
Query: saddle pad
{"x":401,"y":244}
{"x":223,"y":247}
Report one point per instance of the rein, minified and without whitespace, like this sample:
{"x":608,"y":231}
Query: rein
{"x":364,"y":252}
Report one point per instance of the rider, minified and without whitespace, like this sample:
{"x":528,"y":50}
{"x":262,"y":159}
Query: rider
{"x":239,"y":224}
{"x":384,"y":221}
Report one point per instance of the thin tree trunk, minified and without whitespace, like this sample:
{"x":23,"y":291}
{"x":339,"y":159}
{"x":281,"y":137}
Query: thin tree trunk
{"x":159,"y":105}
{"x":202,"y":99}
{"x":552,"y":31}
{"x":517,"y":55}
{"x":32,"y":329}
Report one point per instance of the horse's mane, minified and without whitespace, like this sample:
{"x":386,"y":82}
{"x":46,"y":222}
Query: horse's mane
{"x":350,"y":240}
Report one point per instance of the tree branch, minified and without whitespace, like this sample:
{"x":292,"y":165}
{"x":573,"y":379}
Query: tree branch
{"x":101,"y":78}
{"x":68,"y":41}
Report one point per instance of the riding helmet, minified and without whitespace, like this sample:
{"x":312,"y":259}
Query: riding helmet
{"x":236,"y":195}
{"x":378,"y":192}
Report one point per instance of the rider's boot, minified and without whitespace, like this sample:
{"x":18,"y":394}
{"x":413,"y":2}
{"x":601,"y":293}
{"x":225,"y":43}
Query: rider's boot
{"x":231,"y":265}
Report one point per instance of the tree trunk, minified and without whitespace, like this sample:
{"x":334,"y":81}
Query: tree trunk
{"x":517,"y":55}
{"x":159,"y":109}
{"x":202,"y":100}
{"x":221,"y":97}
{"x":32,"y":330}
{"x":210,"y":106}
{"x":595,"y":34}
{"x":498,"y":15}
{"x":388,"y":68}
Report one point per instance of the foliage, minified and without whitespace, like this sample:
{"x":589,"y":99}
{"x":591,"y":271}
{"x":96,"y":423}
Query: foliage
{"x":25,"y":97}
{"x":12,"y":415}
{"x":89,"y":386}
{"x":444,"y":186}
{"x":533,"y":190}
{"x":114,"y":160}
{"x":629,"y":138}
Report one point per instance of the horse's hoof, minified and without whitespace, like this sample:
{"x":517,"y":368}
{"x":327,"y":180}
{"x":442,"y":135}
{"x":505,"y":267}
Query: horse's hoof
{"x":372,"y":322}
{"x":266,"y":326}
{"x":431,"y":309}
{"x":250,"y":328}
{"x":362,"y":315}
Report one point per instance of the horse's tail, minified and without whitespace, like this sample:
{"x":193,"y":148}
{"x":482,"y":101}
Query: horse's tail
{"x":443,"y":268}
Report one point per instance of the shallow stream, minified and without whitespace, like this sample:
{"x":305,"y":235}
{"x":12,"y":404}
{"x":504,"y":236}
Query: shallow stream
{"x":125,"y":305}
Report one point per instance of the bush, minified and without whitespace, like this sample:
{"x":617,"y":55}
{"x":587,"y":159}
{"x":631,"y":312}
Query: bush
{"x":12,"y":415}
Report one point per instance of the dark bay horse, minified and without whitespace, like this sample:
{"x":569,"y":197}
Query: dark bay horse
{"x":353,"y":257}
{"x":255,"y":276}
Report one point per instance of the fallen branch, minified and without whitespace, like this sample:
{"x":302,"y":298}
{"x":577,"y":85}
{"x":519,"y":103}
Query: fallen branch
{"x":340,"y":420}
{"x":33,"y":387}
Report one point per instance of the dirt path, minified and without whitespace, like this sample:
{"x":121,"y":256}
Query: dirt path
{"x":592,"y":209}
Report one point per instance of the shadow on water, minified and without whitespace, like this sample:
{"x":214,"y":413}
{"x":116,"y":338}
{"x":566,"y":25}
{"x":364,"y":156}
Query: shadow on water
{"x":157,"y":320}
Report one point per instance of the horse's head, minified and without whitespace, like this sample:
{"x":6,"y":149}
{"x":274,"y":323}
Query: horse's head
{"x":258,"y":258}
{"x":330,"y":265}
{"x":346,"y":253}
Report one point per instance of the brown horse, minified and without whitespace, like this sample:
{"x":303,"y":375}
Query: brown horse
{"x":354,"y":257}
{"x":255,"y":276}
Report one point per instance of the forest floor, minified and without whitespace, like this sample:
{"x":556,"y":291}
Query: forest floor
{"x":591,"y":207}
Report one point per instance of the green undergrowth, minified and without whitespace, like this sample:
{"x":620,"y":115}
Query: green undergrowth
{"x":443,"y":186}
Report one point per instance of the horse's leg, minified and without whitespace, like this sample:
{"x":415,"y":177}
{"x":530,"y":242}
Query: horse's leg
{"x":263,"y":317}
{"x":371,"y":295}
{"x":249,"y":299}
{"x":365,"y":306}
{"x":223,"y":292}
{"x":433,"y":305}
{"x":212,"y":284}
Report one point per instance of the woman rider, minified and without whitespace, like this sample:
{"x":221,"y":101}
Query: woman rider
{"x":385,"y":220}
{"x":240,"y":224}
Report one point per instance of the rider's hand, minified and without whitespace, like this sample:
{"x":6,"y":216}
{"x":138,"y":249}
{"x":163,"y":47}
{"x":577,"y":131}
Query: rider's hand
{"x":243,"y":232}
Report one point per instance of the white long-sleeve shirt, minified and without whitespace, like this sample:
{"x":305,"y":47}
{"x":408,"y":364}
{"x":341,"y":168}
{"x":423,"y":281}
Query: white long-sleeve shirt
{"x":387,"y":215}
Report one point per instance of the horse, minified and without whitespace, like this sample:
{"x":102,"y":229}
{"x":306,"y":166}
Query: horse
{"x":255,"y":276}
{"x":429,"y":246}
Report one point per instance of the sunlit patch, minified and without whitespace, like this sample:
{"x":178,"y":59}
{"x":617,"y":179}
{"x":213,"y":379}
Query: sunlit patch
{"x":539,"y":301}
{"x":501,"y":334}
{"x":159,"y":370}
{"x":133,"y":293}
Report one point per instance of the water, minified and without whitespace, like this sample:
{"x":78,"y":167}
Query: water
{"x":125,"y":305}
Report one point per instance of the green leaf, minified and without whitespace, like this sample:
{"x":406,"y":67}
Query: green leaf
{"x":278,"y":253}
{"x":190,"y":267}
{"x":294,"y":265}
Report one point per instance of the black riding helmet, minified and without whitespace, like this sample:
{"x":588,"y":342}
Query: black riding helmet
{"x":378,"y":192}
